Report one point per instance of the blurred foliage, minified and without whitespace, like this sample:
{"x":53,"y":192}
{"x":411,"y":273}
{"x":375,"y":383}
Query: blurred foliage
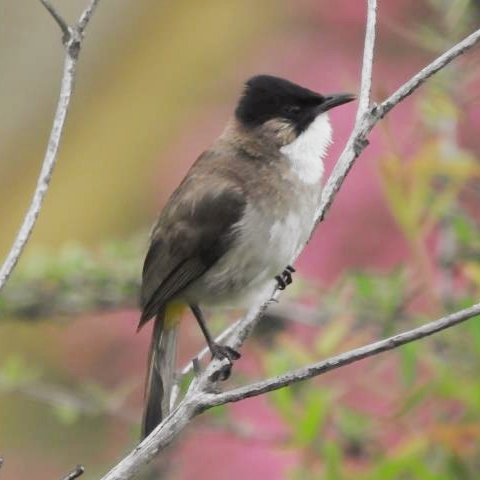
{"x":75,"y":280}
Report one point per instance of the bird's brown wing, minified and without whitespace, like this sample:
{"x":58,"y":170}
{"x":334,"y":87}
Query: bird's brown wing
{"x":194,"y":230}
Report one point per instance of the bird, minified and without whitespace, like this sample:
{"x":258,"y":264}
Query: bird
{"x":229,"y":232}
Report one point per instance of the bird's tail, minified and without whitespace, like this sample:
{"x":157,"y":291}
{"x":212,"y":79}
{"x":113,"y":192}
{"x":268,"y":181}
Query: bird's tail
{"x":161,"y":368}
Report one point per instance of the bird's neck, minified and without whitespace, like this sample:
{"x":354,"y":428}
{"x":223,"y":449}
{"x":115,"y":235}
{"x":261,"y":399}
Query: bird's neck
{"x":305,"y":154}
{"x":254,"y":143}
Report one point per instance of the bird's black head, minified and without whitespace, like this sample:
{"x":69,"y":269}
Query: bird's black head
{"x":267,"y":97}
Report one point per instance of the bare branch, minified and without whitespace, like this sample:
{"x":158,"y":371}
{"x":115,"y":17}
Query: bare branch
{"x":77,"y":472}
{"x":358,"y":141}
{"x":367,"y":65}
{"x":72,"y":39}
{"x":343,"y":359}
{"x":409,"y":87}
{"x":45,"y":173}
{"x":58,"y":18}
{"x":86,"y":16}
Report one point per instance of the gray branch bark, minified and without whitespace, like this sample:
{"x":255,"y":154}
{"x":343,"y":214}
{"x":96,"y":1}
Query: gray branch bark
{"x":341,"y":360}
{"x":72,"y":38}
{"x":75,"y":473}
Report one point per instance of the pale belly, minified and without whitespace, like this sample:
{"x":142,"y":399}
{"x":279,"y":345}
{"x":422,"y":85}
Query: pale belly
{"x":262,"y":251}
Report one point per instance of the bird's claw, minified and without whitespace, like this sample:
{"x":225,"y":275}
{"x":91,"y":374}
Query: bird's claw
{"x":221,"y":352}
{"x":285,"y":278}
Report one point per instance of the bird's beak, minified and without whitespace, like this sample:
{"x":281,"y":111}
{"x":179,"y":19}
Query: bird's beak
{"x":334,"y":100}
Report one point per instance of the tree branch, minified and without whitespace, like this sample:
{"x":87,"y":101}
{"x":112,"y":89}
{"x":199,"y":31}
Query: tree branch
{"x":77,"y":472}
{"x":57,"y":17}
{"x":364,"y":124}
{"x":341,"y":360}
{"x":72,"y":40}
{"x":411,"y":85}
{"x":86,"y":16}
{"x":367,"y":64}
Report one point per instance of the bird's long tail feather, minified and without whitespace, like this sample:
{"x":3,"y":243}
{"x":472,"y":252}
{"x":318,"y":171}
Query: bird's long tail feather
{"x":161,"y":372}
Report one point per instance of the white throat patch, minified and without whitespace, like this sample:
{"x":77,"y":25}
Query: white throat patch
{"x":306,"y":152}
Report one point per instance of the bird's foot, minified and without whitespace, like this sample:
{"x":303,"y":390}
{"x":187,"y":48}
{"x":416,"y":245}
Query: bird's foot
{"x":285,"y":278}
{"x":221,"y":352}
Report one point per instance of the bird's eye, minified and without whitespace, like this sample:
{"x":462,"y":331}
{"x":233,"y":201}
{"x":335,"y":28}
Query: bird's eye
{"x":291,"y":109}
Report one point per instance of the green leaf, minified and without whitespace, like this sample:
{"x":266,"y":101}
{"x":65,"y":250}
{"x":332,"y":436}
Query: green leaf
{"x":67,"y":414}
{"x":284,"y":402}
{"x":408,"y":354}
{"x":332,"y":456}
{"x":473,"y":328}
{"x":16,"y":371}
{"x":413,"y":399}
{"x":365,"y":285}
{"x":314,"y":409}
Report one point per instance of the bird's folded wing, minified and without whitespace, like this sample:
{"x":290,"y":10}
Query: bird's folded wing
{"x":194,"y":230}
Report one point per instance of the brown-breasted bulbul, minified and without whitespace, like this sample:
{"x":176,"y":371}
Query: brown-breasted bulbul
{"x":230,"y":230}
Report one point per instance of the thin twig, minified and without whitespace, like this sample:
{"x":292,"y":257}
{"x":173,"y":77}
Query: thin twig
{"x":352,"y":150}
{"x":58,"y":18}
{"x":411,"y":85}
{"x":341,"y":360}
{"x":45,"y":176}
{"x":86,"y":16}
{"x":357,"y":141}
{"x":79,"y":470}
{"x":72,"y":39}
{"x":367,"y":64}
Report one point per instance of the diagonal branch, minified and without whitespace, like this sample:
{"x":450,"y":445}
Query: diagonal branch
{"x":363,"y":125}
{"x":86,"y":16}
{"x":75,"y":473}
{"x":409,"y":87}
{"x":341,"y":360}
{"x":57,"y":17}
{"x":72,"y":39}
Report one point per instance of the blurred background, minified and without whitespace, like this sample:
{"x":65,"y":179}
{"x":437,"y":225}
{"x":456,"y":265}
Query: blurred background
{"x":156,"y":82}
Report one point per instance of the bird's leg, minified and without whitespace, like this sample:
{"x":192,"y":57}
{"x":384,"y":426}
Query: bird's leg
{"x":285,"y":278}
{"x":218,"y":351}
